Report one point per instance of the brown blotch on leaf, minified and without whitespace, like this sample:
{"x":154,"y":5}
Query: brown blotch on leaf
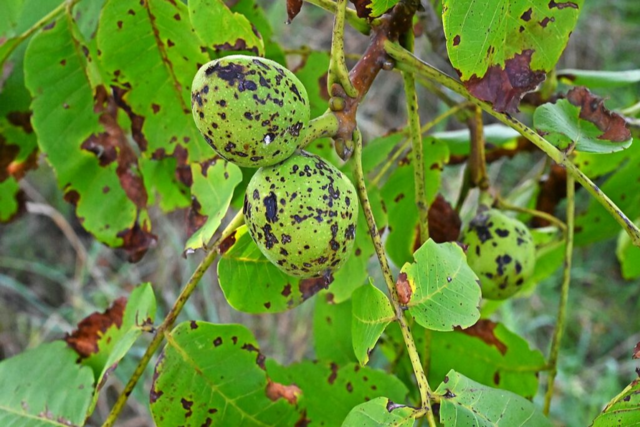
{"x":293,"y":8}
{"x":592,"y":109}
{"x":562,"y":5}
{"x":526,"y":16}
{"x":228,"y":242}
{"x":277,"y":391}
{"x":636,"y":351}
{"x":136,"y":121}
{"x":310,"y":287}
{"x":136,"y":241}
{"x":484,"y":329}
{"x":84,"y":340}
{"x":260,"y":358}
{"x":505,"y":87}
{"x":404,"y":289}
{"x":334,"y":373}
{"x":21,"y":119}
{"x":155,"y":394}
{"x":456,"y":40}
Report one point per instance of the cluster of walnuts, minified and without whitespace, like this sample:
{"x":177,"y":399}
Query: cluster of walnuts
{"x":302,"y":211}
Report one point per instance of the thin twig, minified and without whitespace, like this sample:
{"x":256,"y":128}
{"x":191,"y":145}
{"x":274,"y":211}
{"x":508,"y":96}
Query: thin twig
{"x":407,"y":61}
{"x":421,"y":378}
{"x":168,"y":321}
{"x":477,"y":159}
{"x":564,"y":295}
{"x":338,"y":72}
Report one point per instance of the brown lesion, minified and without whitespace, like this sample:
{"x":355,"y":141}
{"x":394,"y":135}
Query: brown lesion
{"x":592,"y":109}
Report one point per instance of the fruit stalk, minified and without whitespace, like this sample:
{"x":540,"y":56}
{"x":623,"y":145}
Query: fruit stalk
{"x":421,"y":378}
{"x":406,"y":61}
{"x":564,"y":295}
{"x":171,"y":317}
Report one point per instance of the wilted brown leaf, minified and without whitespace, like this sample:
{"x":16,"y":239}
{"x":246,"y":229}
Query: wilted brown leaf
{"x":293,"y":8}
{"x":484,"y":329}
{"x":592,"y":109}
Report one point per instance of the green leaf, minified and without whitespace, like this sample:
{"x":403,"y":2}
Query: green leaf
{"x":490,"y":354}
{"x":44,"y":387}
{"x":564,"y":126}
{"x":595,"y":165}
{"x":378,"y":7}
{"x":467,"y":403}
{"x":155,"y":59}
{"x":114,"y":342}
{"x":67,"y":126}
{"x":483,"y":34}
{"x":623,"y":410}
{"x":252,"y":284}
{"x":223,"y":30}
{"x":445,"y":292}
{"x":494,"y":134}
{"x":377,"y":151}
{"x":380,"y":412}
{"x":331,"y":336}
{"x":9,"y":204}
{"x":372,"y":312}
{"x":214,"y":375}
{"x":162,"y":184}
{"x":329,"y":392}
{"x":212,"y":190}
{"x":598,"y":79}
{"x":629,"y":256}
{"x":398,"y":194}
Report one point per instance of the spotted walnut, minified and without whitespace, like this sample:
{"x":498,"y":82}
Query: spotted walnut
{"x":302,"y":214}
{"x":252,"y":111}
{"x":500,"y":251}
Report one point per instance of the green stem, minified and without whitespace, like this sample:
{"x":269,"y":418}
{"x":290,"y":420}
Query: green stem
{"x":338,"y":72}
{"x":564,"y":294}
{"x":406,"y":61}
{"x":417,"y":150}
{"x":168,"y":321}
{"x":322,"y":126}
{"x":421,"y":378}
{"x":351,"y":16}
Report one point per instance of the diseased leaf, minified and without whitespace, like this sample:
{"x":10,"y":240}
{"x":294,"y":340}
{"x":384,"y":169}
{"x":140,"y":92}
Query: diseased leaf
{"x":27,"y":397}
{"x":223,"y":30}
{"x":629,"y":256}
{"x":329,"y":391}
{"x":103,"y":339}
{"x":466,"y":403}
{"x":445,"y":292}
{"x":150,"y":50}
{"x":380,"y":412}
{"x":563,"y":127}
{"x":162,"y":183}
{"x":95,"y":166}
{"x":490,"y":354}
{"x":503,"y":48}
{"x":214,"y":375}
{"x":253,"y":285}
{"x":212,"y":190}
{"x":598,"y":79}
{"x":11,"y":199}
{"x":331,"y":334}
{"x":378,"y":7}
{"x":372,"y":312}
{"x":623,"y":410}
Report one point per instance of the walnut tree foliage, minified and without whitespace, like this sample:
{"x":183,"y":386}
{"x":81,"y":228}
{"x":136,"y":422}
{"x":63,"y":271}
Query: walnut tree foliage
{"x":103,"y":93}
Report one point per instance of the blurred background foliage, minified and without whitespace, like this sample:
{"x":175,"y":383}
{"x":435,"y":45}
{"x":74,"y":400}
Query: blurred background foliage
{"x":53,"y":273}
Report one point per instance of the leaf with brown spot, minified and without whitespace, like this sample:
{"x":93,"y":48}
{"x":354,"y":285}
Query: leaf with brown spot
{"x":504,"y":54}
{"x":293,"y":8}
{"x":69,"y":117}
{"x":277,"y":391}
{"x":103,"y":339}
{"x":211,"y":375}
{"x":582,"y":122}
{"x":403,"y":288}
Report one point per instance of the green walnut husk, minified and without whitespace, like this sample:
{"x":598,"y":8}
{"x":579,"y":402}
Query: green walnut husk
{"x":500,"y":251}
{"x":252,"y":111}
{"x":302,"y":214}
